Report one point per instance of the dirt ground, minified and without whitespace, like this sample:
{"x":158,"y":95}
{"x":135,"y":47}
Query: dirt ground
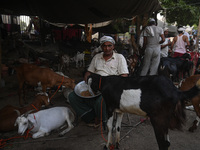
{"x":82,"y":137}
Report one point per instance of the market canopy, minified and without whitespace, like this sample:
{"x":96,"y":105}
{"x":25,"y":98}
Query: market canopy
{"x":79,"y":11}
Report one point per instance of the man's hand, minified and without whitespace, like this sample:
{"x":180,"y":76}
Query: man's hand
{"x":86,"y":76}
{"x":170,"y":50}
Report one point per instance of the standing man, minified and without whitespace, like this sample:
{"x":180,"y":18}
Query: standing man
{"x":180,"y":40}
{"x":165,"y":45}
{"x":152,"y":35}
{"x":105,"y":63}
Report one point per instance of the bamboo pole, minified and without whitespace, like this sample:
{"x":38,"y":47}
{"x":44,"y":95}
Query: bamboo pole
{"x":89,"y":38}
{"x":88,"y":32}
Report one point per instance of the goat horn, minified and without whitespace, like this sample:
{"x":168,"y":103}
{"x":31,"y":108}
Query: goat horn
{"x":28,"y":112}
{"x":18,"y":112}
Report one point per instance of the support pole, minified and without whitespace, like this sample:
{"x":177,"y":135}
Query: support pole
{"x":88,"y":32}
{"x":134,"y":45}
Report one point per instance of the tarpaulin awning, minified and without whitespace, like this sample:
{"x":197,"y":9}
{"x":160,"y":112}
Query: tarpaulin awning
{"x":79,"y":11}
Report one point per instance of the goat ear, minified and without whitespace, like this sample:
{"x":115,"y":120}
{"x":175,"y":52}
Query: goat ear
{"x":89,"y":82}
{"x":162,"y":67}
{"x":16,"y":122}
{"x":48,"y":100}
{"x":31,"y":122}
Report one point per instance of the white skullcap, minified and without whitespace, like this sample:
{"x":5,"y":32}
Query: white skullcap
{"x":152,"y":20}
{"x":107,"y":39}
{"x":181,"y":29}
{"x":165,"y":29}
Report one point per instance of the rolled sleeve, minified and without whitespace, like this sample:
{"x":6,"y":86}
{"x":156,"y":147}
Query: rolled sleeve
{"x":123,"y":69}
{"x":91,"y":67}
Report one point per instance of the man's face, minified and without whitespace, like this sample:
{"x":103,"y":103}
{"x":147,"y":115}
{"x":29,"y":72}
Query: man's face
{"x":166,"y":32}
{"x":107,"y":48}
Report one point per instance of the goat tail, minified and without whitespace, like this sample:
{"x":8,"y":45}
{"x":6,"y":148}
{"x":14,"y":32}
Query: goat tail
{"x":189,"y":94}
{"x":179,"y":116}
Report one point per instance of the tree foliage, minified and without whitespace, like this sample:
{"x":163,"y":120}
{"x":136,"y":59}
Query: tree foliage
{"x":183,"y":12}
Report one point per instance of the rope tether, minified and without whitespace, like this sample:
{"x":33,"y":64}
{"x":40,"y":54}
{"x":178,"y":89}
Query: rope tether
{"x":57,"y":89}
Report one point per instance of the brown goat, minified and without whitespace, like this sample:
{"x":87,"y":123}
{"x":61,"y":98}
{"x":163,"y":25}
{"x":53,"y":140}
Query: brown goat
{"x":32,"y":75}
{"x":186,"y":85}
{"x":8,"y":115}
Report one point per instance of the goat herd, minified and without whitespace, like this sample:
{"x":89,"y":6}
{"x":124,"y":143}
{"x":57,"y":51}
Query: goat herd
{"x":155,"y":97}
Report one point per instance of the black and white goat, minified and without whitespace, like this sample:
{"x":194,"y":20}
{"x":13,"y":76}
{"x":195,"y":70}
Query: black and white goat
{"x":43,"y":122}
{"x":152,"y":96}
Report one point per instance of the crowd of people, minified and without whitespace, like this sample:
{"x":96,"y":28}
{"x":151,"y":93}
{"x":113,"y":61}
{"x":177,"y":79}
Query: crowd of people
{"x":158,"y":45}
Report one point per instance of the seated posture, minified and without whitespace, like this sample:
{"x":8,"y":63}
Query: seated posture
{"x":43,"y":122}
{"x":152,"y":96}
{"x":8,"y":113}
{"x":106,"y":63}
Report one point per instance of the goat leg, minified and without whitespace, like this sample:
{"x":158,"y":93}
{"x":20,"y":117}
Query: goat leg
{"x":70,"y":125}
{"x":39,"y":134}
{"x":105,"y":148}
{"x":118,"y":128}
{"x":160,"y":133}
{"x":194,"y":126}
{"x":66,"y":130}
{"x":109,"y":125}
{"x":195,"y":102}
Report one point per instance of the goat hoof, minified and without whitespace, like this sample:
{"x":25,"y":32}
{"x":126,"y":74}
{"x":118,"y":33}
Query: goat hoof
{"x":61,"y":135}
{"x":111,"y":147}
{"x":191,"y":129}
{"x":194,"y":126}
{"x":167,"y":143}
{"x":117,"y":146}
{"x":105,"y":148}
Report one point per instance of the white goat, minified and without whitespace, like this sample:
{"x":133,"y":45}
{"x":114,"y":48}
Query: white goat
{"x":44,"y":121}
{"x":79,"y":57}
{"x":65,"y":60}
